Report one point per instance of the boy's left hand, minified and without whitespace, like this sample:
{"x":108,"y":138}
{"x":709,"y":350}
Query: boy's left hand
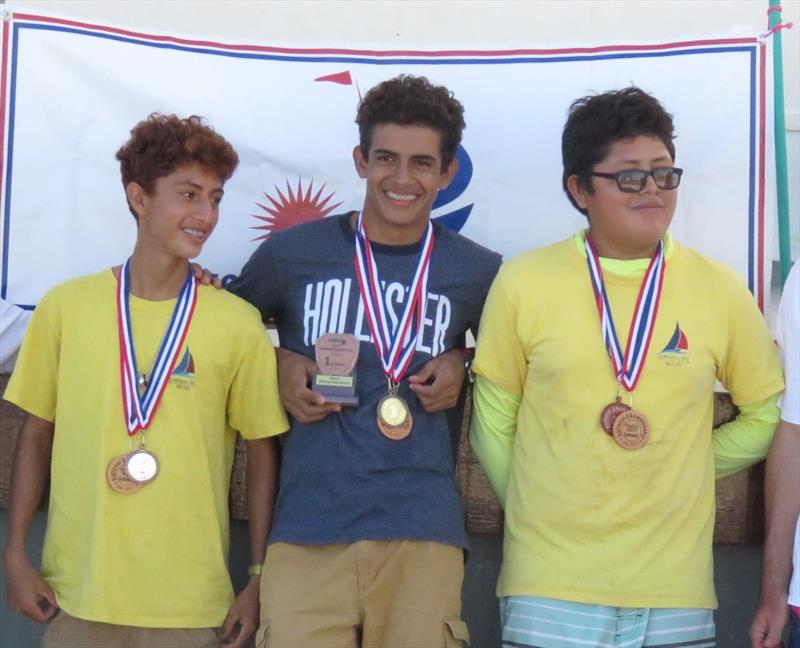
{"x":242,"y":619}
{"x":438,"y":383}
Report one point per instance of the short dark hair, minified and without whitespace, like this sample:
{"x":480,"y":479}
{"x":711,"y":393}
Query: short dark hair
{"x":596,"y":122}
{"x":412,"y":101}
{"x":161,"y":143}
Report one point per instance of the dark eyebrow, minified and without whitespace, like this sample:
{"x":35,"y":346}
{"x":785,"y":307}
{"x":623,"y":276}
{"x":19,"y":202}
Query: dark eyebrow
{"x":194,"y":185}
{"x":420,"y":156}
{"x":662,"y":158}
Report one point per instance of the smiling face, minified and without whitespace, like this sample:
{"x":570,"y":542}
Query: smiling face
{"x":180,"y":214}
{"x":627,"y":225}
{"x":404,"y":174}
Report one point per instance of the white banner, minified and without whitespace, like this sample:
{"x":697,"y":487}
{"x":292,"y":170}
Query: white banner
{"x":72,"y":91}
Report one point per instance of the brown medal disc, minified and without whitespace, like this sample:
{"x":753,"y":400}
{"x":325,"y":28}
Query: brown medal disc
{"x":394,"y":418}
{"x":610,"y":413}
{"x":631,"y":430}
{"x":118,"y":479}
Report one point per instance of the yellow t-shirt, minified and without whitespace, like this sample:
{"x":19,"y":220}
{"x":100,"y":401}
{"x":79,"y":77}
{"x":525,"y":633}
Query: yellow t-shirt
{"x":157,"y":557}
{"x":587,"y":520}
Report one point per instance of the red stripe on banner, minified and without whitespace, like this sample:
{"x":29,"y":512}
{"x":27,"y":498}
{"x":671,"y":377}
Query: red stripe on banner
{"x":3,"y":81}
{"x":384,"y":53}
{"x":762,"y":128}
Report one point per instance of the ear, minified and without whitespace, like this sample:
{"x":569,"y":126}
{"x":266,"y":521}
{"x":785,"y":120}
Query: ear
{"x":137,"y":197}
{"x":360,"y":162}
{"x":577,"y":192}
{"x":449,"y":174}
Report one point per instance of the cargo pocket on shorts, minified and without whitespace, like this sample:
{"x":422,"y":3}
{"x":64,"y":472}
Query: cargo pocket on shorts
{"x":262,"y":635}
{"x":456,"y":634}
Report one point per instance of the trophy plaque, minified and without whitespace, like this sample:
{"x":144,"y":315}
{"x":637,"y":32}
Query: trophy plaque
{"x":335,"y":379}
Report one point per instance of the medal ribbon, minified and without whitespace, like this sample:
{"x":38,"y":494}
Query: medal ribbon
{"x":140,"y":409}
{"x":395,"y":347}
{"x":628,"y":366}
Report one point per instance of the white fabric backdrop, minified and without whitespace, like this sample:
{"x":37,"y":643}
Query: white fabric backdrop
{"x":72,"y":91}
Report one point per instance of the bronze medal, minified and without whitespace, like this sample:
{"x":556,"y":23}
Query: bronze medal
{"x":631,"y":430}
{"x":118,"y":479}
{"x":394,"y":418}
{"x":610,"y":413}
{"x":141,"y":466}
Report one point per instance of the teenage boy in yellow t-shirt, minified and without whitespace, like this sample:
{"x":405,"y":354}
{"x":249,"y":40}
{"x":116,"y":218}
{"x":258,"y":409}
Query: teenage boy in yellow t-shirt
{"x":596,"y":363}
{"x":135,"y":381}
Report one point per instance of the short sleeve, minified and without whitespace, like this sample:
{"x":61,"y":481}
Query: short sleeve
{"x":33,"y":385}
{"x":254,"y":406}
{"x":500,"y":356}
{"x":751,"y":369}
{"x":787,"y":331}
{"x":259,"y":282}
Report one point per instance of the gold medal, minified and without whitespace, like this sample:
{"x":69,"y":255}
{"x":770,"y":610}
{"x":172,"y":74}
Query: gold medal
{"x":394,"y":418}
{"x":610,"y":413}
{"x":118,"y":479}
{"x":141,"y":466}
{"x":631,"y":430}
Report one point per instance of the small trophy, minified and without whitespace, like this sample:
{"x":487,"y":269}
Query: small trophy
{"x":336,"y":355}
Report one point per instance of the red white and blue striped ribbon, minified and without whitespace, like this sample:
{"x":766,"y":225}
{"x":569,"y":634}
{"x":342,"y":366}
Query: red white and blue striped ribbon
{"x":140,"y":409}
{"x":394,"y":344}
{"x":628,"y":366}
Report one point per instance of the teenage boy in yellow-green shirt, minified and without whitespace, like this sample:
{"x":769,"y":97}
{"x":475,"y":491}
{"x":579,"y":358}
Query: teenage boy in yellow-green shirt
{"x":135,"y":381}
{"x":596,"y":361}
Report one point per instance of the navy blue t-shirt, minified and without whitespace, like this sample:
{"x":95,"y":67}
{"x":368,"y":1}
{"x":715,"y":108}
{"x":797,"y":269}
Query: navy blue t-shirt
{"x":341,"y":479}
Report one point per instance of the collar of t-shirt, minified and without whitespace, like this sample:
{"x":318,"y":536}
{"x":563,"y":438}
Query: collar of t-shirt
{"x":623,"y":267}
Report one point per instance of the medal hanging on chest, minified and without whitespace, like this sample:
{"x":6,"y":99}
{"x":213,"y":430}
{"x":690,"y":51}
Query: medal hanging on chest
{"x":630,"y":428}
{"x":141,"y":397}
{"x":393,"y":344}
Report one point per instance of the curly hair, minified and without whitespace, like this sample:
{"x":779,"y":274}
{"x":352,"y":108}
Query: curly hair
{"x":408,"y":100}
{"x":596,"y":122}
{"x":161,"y":143}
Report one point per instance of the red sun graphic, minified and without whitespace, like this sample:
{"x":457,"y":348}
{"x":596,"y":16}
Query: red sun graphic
{"x":299,"y":207}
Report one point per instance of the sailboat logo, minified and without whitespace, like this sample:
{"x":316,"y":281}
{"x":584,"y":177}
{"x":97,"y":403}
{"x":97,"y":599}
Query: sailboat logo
{"x":677,"y":347}
{"x":185,"y":368}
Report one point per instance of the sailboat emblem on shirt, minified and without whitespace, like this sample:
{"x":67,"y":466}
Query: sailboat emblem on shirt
{"x":676,"y":351}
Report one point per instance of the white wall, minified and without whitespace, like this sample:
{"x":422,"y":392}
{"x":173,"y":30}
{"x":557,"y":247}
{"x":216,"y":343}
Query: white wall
{"x":489,"y":24}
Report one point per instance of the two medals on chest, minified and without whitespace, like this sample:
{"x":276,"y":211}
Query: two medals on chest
{"x":629,"y":427}
{"x":394,"y":339}
{"x":129,"y":472}
{"x":335,"y":378}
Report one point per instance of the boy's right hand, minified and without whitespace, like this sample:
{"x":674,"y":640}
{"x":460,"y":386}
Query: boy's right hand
{"x":28,"y":592}
{"x":204,"y":276}
{"x":295,"y":372}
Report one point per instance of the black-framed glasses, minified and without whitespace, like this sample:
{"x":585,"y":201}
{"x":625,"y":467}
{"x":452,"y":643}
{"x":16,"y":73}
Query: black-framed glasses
{"x":635,"y":180}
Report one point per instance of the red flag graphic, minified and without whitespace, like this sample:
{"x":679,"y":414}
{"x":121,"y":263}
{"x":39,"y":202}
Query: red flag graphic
{"x":342,"y":78}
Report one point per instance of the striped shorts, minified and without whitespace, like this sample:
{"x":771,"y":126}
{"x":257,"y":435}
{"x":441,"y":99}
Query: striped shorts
{"x":536,"y":622}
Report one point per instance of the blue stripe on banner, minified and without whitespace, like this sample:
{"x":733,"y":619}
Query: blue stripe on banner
{"x":12,"y":96}
{"x":384,"y":61}
{"x":751,"y":203}
{"x":443,"y":60}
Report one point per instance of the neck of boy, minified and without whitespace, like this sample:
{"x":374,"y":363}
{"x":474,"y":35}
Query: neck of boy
{"x":157,"y":277}
{"x":621,"y":250}
{"x":380,"y":231}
